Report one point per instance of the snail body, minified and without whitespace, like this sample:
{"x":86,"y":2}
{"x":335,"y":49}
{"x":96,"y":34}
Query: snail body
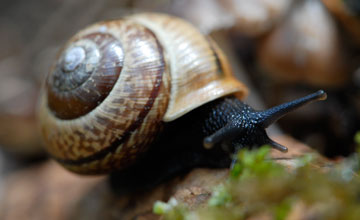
{"x":116,"y":83}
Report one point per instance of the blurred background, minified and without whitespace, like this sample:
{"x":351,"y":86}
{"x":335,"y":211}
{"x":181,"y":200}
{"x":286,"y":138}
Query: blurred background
{"x":281,"y":49}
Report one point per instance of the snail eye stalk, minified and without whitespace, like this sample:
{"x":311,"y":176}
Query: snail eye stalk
{"x":255,"y":122}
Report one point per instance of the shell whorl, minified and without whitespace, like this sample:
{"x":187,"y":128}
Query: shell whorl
{"x":127,"y":115}
{"x":84,"y":75}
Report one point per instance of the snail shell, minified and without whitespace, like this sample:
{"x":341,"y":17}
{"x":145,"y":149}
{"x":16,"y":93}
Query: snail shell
{"x":116,"y":82}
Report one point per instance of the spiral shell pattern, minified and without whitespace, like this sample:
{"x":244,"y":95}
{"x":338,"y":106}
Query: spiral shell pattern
{"x":121,"y":101}
{"x":115,"y":83}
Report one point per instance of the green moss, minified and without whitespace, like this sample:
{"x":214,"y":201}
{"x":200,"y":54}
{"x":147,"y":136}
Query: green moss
{"x":258,"y":186}
{"x":171,"y":209}
{"x":160,"y":208}
{"x":282,"y":210}
{"x":357,"y":138}
{"x":220,"y":196}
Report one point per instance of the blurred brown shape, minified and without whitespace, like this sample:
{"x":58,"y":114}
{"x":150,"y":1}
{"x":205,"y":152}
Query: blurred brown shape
{"x":45,"y":191}
{"x":207,"y":15}
{"x":305,"y":47}
{"x":347,"y":18}
{"x":252,"y":18}
{"x":18,"y":124}
{"x":255,"y":17}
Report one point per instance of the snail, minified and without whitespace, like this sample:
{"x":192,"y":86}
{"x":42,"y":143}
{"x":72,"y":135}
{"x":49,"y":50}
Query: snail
{"x":117,"y":85}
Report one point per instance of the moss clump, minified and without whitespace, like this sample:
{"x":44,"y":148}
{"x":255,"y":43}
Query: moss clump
{"x":259,"y":187}
{"x":357,"y":138}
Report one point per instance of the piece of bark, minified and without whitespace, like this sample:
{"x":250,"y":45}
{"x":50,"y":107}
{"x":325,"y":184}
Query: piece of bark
{"x":193,"y":189}
{"x":48,"y":191}
{"x":297,"y":150}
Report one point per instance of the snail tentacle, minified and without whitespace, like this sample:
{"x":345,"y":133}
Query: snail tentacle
{"x":247,"y":128}
{"x":273,"y":114}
